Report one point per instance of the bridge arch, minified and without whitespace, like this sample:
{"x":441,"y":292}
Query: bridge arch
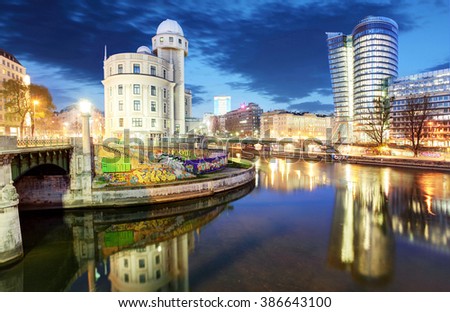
{"x":27,"y":160}
{"x":42,"y":186}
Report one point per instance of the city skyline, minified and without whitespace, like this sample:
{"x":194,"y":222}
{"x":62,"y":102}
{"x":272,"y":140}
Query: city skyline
{"x":270,"y":53}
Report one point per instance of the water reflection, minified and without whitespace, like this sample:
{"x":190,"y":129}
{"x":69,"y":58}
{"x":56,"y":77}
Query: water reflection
{"x":305,"y":226}
{"x":362,"y":240}
{"x":141,"y":249}
{"x":373,"y":208}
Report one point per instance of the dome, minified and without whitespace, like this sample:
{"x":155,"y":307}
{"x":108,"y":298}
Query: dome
{"x":144,"y":50}
{"x":169,"y":27}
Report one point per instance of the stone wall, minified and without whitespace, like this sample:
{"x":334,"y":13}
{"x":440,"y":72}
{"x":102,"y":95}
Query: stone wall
{"x":121,"y":196}
{"x":45,"y":190}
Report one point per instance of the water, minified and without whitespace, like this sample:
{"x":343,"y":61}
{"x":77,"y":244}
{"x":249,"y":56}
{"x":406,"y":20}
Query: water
{"x":301,"y":227}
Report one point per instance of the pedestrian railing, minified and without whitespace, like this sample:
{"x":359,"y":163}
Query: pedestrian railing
{"x":42,"y":142}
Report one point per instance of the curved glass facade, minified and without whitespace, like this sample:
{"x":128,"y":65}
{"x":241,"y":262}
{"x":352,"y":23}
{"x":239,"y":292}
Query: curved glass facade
{"x":359,"y":65}
{"x":375,"y":44}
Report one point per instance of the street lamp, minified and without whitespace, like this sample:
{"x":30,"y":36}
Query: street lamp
{"x":35,"y":102}
{"x":86,"y":175}
{"x":85,"y":108}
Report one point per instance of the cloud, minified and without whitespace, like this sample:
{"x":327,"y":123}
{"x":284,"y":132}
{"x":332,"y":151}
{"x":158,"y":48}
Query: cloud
{"x":197,"y":92}
{"x":277,"y":48}
{"x":312,"y":107}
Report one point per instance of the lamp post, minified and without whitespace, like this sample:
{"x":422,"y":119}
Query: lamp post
{"x":35,"y":102}
{"x":85,"y":108}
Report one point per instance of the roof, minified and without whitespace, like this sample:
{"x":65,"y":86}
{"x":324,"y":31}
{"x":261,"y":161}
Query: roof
{"x":9,"y":56}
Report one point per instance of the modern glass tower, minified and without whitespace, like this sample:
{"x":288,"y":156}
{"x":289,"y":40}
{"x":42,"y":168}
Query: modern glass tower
{"x":360,"y":63}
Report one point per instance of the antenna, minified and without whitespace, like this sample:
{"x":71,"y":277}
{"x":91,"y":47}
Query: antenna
{"x":105,"y":54}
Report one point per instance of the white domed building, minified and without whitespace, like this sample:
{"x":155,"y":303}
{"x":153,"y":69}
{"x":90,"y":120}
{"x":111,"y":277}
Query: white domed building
{"x":144,"y":91}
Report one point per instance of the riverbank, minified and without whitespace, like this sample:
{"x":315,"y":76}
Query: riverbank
{"x":232,"y":177}
{"x":389,"y":161}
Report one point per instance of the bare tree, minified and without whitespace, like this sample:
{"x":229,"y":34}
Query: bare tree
{"x":378,"y":122}
{"x":417,"y":110}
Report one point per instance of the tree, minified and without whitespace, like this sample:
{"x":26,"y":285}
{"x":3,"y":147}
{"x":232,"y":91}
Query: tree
{"x":17,"y":100}
{"x":20,"y":99}
{"x":378,"y":121}
{"x":44,"y":110}
{"x":417,"y":110}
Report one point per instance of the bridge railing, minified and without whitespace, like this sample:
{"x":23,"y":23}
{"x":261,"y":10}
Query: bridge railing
{"x":42,"y":142}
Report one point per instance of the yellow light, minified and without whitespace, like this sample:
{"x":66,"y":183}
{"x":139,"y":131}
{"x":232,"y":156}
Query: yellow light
{"x":85,"y":107}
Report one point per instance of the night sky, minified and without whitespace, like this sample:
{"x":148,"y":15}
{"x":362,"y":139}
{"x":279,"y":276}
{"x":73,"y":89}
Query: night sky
{"x":273,"y":53}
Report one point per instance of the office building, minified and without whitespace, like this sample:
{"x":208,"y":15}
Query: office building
{"x":359,"y":65}
{"x":244,"y":121}
{"x":435,"y":85}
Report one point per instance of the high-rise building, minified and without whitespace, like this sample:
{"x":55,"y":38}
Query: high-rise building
{"x":144,"y":91}
{"x":10,"y":68}
{"x":435,"y":85}
{"x":359,"y":64}
{"x":222,"y":105}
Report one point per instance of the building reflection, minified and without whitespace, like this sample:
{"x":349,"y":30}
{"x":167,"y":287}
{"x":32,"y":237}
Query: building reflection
{"x":372,"y":207}
{"x":157,"y":267}
{"x":142,"y":250}
{"x":288,"y":175}
{"x":362,"y":240}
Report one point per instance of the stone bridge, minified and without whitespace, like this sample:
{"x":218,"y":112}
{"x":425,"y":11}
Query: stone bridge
{"x":23,"y":164}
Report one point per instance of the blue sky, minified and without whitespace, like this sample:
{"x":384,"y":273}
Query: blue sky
{"x":272,"y":53}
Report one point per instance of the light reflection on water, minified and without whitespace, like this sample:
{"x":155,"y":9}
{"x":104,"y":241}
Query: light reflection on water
{"x":304,"y":227}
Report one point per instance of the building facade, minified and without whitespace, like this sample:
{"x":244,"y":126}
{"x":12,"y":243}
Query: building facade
{"x":359,"y":65}
{"x":435,"y":85}
{"x":222,"y":105}
{"x":282,"y":124}
{"x":145,"y":91}
{"x":244,"y":121}
{"x":10,"y":68}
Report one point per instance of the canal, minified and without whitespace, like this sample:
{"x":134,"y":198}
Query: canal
{"x":302,"y":226}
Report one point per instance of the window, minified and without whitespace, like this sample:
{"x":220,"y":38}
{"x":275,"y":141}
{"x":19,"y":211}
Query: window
{"x":153,"y":90}
{"x":141,"y":278}
{"x":136,"y":89}
{"x":164,"y":74}
{"x":158,"y":274}
{"x":179,"y":41}
{"x":136,"y":68}
{"x":153,"y":106}
{"x":136,"y":122}
{"x":153,"y":70}
{"x":120,"y":89}
{"x":164,"y":93}
{"x":120,"y":105}
{"x":161,"y":39}
{"x":157,"y":259}
{"x":120,"y":122}
{"x":126,"y":278}
{"x":165,"y":123}
{"x":125,"y":263}
{"x":141,"y":263}
{"x":153,"y":123}
{"x":137,"y":105}
{"x":171,"y":39}
{"x":165,"y":108}
{"x":120,"y":69}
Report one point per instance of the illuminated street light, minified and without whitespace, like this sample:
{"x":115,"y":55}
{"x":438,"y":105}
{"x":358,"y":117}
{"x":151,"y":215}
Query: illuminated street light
{"x":85,"y":107}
